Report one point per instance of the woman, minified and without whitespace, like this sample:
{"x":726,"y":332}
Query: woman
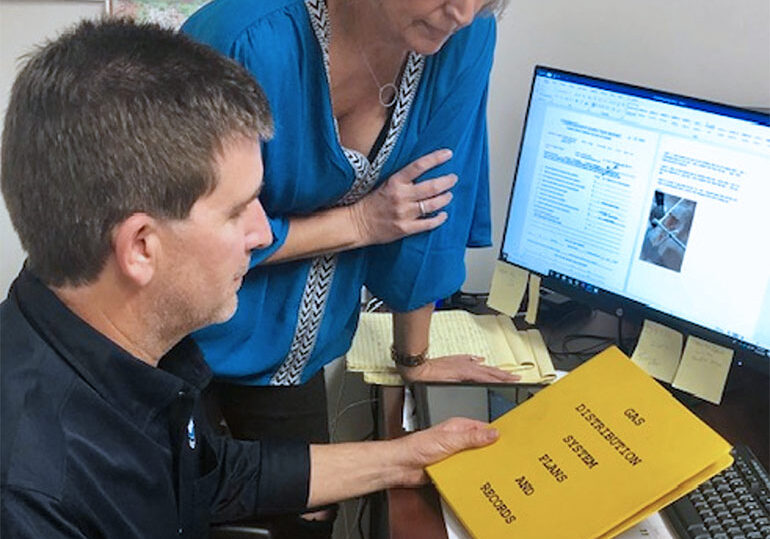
{"x":369,"y":97}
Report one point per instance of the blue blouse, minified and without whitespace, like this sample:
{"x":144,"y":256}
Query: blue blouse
{"x":295,"y":317}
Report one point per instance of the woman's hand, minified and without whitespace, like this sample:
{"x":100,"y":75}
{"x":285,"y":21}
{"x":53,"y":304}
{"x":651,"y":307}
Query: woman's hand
{"x":457,"y":368}
{"x":399,"y":207}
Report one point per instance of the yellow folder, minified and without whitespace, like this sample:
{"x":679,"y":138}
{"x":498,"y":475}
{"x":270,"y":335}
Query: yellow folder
{"x":589,"y":456}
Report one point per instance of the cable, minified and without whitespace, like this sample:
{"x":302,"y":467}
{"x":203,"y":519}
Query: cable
{"x":603,"y":342}
{"x":360,"y":515}
{"x":353,"y":525}
{"x":374,"y":409}
{"x":620,"y":333}
{"x":338,"y":404}
{"x":345,"y":410}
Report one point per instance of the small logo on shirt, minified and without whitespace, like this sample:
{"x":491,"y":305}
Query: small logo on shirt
{"x":191,"y":433}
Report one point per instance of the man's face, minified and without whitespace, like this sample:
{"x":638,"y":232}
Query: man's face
{"x":208,"y":252}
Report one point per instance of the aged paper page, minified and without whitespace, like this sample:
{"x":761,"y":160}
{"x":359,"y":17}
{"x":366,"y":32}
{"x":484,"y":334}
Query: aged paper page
{"x":459,"y":332}
{"x":533,"y":299}
{"x":542,"y":357}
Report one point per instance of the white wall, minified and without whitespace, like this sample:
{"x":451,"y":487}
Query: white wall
{"x":24,"y":24}
{"x":714,"y":49}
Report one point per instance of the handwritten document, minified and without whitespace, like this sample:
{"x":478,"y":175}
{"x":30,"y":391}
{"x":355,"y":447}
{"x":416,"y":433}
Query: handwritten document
{"x":703,"y":369}
{"x":533,"y":298}
{"x":658,"y":351}
{"x":493,"y":337}
{"x":507,"y":288}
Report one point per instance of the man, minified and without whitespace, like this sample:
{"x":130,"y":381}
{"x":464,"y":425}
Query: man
{"x":130,"y":168}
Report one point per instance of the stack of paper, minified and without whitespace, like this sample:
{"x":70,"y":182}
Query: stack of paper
{"x":492,"y":337}
{"x":589,"y":456}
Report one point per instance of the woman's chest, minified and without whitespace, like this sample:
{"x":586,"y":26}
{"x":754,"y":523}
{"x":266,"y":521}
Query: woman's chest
{"x":356,"y":108}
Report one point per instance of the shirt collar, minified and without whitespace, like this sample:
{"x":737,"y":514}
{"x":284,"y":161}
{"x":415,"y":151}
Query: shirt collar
{"x":120,"y":378}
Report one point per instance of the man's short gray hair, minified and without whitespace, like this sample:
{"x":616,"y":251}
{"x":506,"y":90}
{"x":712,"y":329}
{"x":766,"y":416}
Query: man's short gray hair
{"x":110,"y":119}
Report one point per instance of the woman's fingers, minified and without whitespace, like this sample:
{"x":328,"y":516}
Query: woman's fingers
{"x":421,"y":165}
{"x":427,"y":206}
{"x":431,"y":188}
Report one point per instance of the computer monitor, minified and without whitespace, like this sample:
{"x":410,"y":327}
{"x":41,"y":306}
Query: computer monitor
{"x":645,"y":202}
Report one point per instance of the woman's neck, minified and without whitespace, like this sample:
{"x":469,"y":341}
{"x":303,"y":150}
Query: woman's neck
{"x":360,"y":25}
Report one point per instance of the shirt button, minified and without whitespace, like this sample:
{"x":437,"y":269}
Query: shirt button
{"x":179,"y":531}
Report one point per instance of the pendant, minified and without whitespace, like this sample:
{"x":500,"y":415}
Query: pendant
{"x":386,"y":89}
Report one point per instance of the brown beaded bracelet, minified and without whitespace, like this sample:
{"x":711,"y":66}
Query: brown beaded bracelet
{"x":406,"y":360}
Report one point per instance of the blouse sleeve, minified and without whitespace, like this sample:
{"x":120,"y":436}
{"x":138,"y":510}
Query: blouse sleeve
{"x":419,"y":269}
{"x":228,"y":27}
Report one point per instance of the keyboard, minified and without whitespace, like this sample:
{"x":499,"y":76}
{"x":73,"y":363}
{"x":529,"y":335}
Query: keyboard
{"x":735,"y":504}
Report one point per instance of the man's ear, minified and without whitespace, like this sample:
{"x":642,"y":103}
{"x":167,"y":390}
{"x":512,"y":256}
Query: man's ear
{"x":136,"y":247}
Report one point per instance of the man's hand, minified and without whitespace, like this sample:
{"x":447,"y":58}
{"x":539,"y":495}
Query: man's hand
{"x":342,"y":471}
{"x":399,"y":207}
{"x":457,"y":368}
{"x":437,"y":443}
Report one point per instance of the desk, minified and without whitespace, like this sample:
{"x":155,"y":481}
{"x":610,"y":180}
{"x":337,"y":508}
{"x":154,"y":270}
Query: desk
{"x":403,"y":513}
{"x":743,"y":417}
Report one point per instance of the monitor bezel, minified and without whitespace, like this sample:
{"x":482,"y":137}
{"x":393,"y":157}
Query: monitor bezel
{"x":611,"y":302}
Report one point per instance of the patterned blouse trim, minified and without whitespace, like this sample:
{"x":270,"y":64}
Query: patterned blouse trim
{"x":321,"y":273}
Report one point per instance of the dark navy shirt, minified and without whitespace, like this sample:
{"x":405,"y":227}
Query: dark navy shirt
{"x":96,"y":443}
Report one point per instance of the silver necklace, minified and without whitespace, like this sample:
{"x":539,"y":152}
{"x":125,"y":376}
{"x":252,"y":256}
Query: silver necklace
{"x":389,"y":88}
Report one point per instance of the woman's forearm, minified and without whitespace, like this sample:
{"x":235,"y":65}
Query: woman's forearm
{"x":411,"y":330}
{"x":411,"y":338}
{"x":323,"y":232}
{"x":397,"y":208}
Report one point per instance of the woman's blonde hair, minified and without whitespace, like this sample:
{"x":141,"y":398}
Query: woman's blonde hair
{"x":496,"y":7}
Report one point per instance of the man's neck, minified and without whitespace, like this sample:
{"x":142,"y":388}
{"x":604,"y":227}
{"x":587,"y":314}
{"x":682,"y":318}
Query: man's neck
{"x":119,"y":315}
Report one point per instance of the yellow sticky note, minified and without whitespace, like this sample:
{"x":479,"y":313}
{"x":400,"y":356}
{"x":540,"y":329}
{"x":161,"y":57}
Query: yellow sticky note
{"x":658,"y":350}
{"x":507,"y":289}
{"x":703,"y":369}
{"x":533,"y":298}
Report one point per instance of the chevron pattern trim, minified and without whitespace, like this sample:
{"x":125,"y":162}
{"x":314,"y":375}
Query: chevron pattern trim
{"x":321,"y":273}
{"x":359,"y":163}
{"x":311,"y":312}
{"x":410,"y":82}
{"x":320,"y":21}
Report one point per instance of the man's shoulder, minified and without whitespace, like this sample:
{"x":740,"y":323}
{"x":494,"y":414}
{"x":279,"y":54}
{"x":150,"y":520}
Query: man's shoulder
{"x":221,"y":22}
{"x":35,"y":384}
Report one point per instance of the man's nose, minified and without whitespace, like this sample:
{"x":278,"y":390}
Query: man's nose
{"x":258,"y":234}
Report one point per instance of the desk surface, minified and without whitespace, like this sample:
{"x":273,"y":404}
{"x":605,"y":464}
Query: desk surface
{"x":742,"y":418}
{"x":409,"y":513}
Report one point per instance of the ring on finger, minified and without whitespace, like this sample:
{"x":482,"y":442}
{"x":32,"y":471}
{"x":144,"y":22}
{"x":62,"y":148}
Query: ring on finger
{"x":421,"y":207}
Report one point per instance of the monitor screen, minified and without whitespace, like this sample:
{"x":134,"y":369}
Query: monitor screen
{"x":636,"y":199}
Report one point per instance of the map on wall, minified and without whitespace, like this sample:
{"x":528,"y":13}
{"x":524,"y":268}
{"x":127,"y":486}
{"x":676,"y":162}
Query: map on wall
{"x":168,"y":13}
